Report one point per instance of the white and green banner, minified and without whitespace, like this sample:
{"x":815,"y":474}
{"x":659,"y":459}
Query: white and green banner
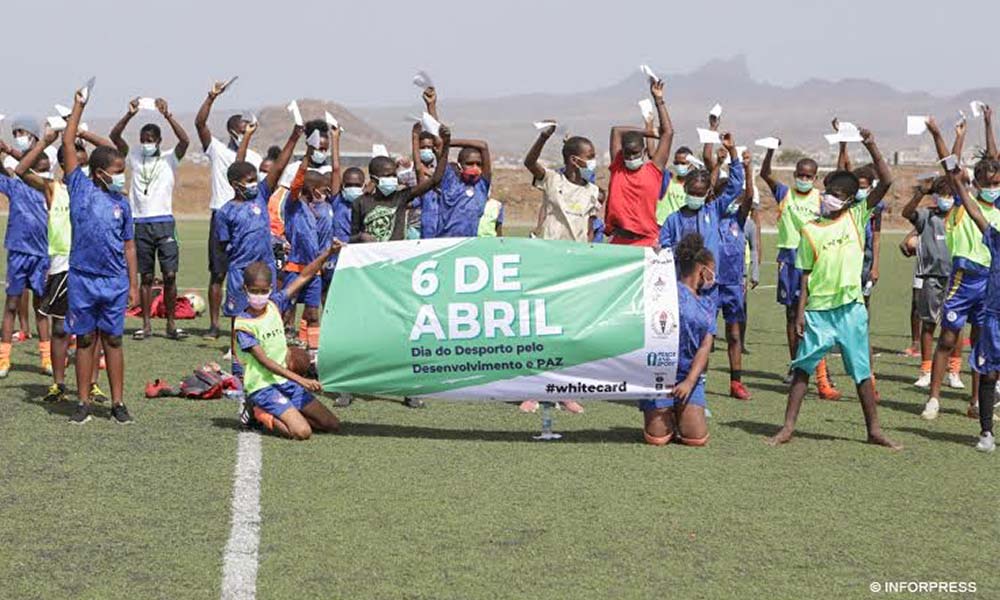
{"x":500,"y":319}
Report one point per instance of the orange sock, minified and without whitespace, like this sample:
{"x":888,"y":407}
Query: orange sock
{"x":822,"y":377}
{"x":5,"y":352}
{"x":45,"y":351}
{"x":925,"y":366}
{"x":312,"y":336}
{"x":303,"y":331}
{"x":954,"y":364}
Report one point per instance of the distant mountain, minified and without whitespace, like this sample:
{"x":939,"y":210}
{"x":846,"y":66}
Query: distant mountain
{"x":800,"y":115}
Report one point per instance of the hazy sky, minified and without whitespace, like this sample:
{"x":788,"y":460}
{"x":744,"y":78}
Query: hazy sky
{"x":348,"y":52}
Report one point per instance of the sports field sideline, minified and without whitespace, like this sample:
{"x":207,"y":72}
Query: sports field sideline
{"x":457,"y":501}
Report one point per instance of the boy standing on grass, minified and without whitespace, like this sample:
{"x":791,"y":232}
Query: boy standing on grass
{"x":831,"y":309}
{"x":151,"y":197}
{"x":102,"y":265}
{"x":933,"y":268}
{"x":636,"y":180}
{"x":970,"y":271}
{"x":220,"y":155}
{"x":796,"y":207}
{"x":27,"y":246}
{"x":985,"y":358}
{"x":281,"y":399}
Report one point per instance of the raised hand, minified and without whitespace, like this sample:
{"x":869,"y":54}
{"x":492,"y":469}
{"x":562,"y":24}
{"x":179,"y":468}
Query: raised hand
{"x":430,"y":96}
{"x":161,"y":105}
{"x":656,"y":89}
{"x":217,"y":89}
{"x":133,"y":106}
{"x":867,"y":137}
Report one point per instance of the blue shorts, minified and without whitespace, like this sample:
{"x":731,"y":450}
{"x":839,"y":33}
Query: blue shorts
{"x":276,"y":399}
{"x":845,"y":326}
{"x":789,"y":278}
{"x":26,"y":271}
{"x":96,"y":303}
{"x":985,"y":357}
{"x":730,"y":302}
{"x":311,"y":295}
{"x":236,"y":296}
{"x":964,"y":300}
{"x":697,"y":398}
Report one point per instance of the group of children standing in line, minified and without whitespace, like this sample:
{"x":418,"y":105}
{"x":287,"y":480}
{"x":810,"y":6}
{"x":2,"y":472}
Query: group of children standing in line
{"x":87,"y":251}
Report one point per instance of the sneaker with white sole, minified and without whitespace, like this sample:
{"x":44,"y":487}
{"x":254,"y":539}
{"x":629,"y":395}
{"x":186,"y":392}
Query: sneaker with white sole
{"x":924,"y":381}
{"x":986,"y":443}
{"x":954,"y":381}
{"x":931,"y":409}
{"x":81,"y":415}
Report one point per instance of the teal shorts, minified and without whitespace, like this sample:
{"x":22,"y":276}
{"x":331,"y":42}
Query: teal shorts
{"x":846,"y":326}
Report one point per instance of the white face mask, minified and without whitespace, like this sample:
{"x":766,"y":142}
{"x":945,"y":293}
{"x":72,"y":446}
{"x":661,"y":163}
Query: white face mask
{"x":829,"y":204}
{"x":23,"y":143}
{"x":258,"y":301}
{"x":319,"y":157}
{"x":634,"y":164}
{"x":149,"y":150}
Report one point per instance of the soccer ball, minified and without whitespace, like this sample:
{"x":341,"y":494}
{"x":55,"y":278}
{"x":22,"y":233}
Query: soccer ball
{"x":197,"y":302}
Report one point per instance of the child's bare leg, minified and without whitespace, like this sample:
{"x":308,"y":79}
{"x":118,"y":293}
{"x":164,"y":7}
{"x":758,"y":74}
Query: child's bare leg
{"x":115,"y":357}
{"x":868,"y":405}
{"x":658,"y":426}
{"x":945,"y":345}
{"x":96,"y":368}
{"x":9,"y":314}
{"x":86,"y":362}
{"x":790,"y":334}
{"x":296,"y":427}
{"x":691,"y":423}
{"x":60,"y":348}
{"x":974,"y":399}
{"x":800,"y":384}
{"x":41,"y":321}
{"x":22,"y":312}
{"x":320,"y":417}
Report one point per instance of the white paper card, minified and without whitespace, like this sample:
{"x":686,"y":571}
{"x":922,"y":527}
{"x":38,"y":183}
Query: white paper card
{"x":314,"y":139}
{"x":88,"y":87}
{"x":648,"y":72}
{"x":849,"y":132}
{"x":2,"y":117}
{"x":646,"y":106}
{"x":771,"y":143}
{"x":225,"y":86}
{"x":544,"y":124}
{"x":57,"y":123}
{"x":422,"y":80}
{"x":147,"y":103}
{"x":739,"y":155}
{"x":950,"y":162}
{"x":977,"y":108}
{"x":379,"y":150}
{"x":293,"y":107}
{"x":84,"y":127}
{"x":832,"y":138}
{"x":430,"y":124}
{"x":707,"y":136}
{"x":927,"y":176}
{"x":716,"y":110}
{"x":331,"y":120}
{"x":63,"y":111}
{"x":694,"y":161}
{"x":916,"y":124}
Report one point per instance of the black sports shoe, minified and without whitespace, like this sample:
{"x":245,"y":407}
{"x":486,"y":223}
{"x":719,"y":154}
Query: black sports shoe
{"x":414,"y":403}
{"x":120,"y":415}
{"x":81,"y":415}
{"x":247,"y":420}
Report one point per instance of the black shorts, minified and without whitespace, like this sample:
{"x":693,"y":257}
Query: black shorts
{"x":56,"y":300}
{"x":218,"y":260}
{"x":156,"y":240}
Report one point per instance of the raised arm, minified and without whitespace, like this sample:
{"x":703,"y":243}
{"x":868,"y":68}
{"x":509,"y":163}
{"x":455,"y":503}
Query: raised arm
{"x":707,"y":154}
{"x":909,"y":211}
{"x":282,"y":161}
{"x":310,"y":270}
{"x":94,"y":139}
{"x":765,"y":173}
{"x":484,"y":150}
{"x":843,"y":160}
{"x":430,"y":102}
{"x":651,"y":135}
{"x":69,"y":134}
{"x":201,"y":119}
{"x":662,"y":154}
{"x":244,"y":147}
{"x":531,"y":160}
{"x":116,"y":131}
{"x":616,"y":137}
{"x":939,"y":145}
{"x":182,"y":137}
{"x":881,"y":169}
{"x":442,"y":163}
{"x":991,"y":135}
{"x":747,"y":201}
{"x":418,"y":165}
{"x":961,"y":128}
{"x":335,"y":171}
{"x":28,"y":160}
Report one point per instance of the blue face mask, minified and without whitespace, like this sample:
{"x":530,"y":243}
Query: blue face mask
{"x":589,"y":169}
{"x":352,"y":193}
{"x":319,"y":157}
{"x":149,"y":150}
{"x":23,"y":143}
{"x":803,"y":185}
{"x":387,"y":185}
{"x":634,"y":164}
{"x":427,"y":156}
{"x":682,"y":170}
{"x":990,"y":194}
{"x":117,"y":183}
{"x":863,"y":194}
{"x":694,"y":202}
{"x":944,"y":203}
{"x":250,"y":191}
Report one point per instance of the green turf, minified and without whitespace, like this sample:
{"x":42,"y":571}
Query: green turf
{"x":456,"y":501}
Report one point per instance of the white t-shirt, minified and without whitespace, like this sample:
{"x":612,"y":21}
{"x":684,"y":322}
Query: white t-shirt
{"x":568,"y":207}
{"x":288,"y":175}
{"x":220,"y":157}
{"x":152,"y":191}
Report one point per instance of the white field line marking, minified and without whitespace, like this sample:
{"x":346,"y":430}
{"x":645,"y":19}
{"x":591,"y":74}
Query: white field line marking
{"x":239,"y":565}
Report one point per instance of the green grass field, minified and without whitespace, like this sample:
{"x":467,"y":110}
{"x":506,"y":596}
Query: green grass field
{"x":457,"y":501}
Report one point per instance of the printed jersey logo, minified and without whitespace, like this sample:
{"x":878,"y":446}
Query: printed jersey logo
{"x":952,"y":315}
{"x":378,"y":222}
